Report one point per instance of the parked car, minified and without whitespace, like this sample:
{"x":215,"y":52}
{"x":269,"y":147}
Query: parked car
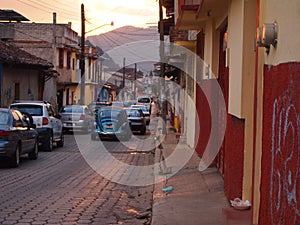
{"x":76,"y":117}
{"x":137,"y":120}
{"x":144,"y":110}
{"x":17,"y":136}
{"x":145,"y":100}
{"x":111,"y":123}
{"x":48,"y":124}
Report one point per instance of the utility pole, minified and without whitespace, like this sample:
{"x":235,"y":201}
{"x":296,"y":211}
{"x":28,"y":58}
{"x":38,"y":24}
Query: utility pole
{"x":82,"y":57}
{"x":162,"y":65}
{"x":123,"y":80}
{"x":135,"y":76}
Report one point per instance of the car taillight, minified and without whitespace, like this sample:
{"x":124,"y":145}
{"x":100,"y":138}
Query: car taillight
{"x":82,"y":117}
{"x":4,"y":133}
{"x":45,"y":121}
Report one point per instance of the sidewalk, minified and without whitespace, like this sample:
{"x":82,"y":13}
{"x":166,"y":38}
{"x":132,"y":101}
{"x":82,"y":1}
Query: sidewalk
{"x":197,"y":197}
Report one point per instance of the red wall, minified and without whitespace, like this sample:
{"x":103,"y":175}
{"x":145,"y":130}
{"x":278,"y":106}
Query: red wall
{"x":234,"y":157}
{"x":280,"y":182}
{"x":204,"y":115}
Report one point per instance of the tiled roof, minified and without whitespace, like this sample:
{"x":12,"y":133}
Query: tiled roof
{"x":9,"y":54}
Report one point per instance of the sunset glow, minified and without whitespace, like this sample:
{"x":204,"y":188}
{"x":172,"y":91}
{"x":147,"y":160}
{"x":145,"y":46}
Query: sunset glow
{"x":138,"y":13}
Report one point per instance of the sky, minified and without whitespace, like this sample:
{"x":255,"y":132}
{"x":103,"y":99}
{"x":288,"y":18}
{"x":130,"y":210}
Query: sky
{"x":98,"y":13}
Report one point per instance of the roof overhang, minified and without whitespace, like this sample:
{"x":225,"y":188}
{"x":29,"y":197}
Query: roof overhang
{"x":11,"y":15}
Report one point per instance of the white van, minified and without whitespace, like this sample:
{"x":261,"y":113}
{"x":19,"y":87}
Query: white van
{"x":145,"y":100}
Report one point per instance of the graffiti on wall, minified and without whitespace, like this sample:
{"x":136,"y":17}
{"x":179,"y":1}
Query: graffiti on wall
{"x":285,"y":161}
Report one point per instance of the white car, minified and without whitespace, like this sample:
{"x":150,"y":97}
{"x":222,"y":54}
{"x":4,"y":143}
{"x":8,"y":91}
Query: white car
{"x":48,"y":124}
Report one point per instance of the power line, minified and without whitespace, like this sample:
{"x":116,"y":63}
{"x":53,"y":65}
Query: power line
{"x":66,"y":5}
{"x":34,"y":5}
{"x":59,"y":8}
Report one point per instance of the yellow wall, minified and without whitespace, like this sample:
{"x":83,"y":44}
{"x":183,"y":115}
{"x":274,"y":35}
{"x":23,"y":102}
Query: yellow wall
{"x":241,"y":33}
{"x":287,"y":16}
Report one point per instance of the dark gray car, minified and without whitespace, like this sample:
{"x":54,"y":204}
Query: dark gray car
{"x":17,"y":136}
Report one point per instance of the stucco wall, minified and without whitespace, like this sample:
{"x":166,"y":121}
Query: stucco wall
{"x":28,"y":80}
{"x":287,"y":17}
{"x":280,"y":180}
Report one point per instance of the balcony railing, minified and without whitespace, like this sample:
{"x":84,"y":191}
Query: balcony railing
{"x":187,"y":2}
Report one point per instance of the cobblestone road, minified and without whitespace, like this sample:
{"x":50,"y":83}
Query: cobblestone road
{"x":61,"y":188}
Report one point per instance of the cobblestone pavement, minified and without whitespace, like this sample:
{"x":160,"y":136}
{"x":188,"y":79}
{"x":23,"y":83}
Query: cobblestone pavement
{"x":61,"y":188}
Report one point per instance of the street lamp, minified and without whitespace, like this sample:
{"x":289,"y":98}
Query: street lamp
{"x":82,"y":55}
{"x":111,"y":24}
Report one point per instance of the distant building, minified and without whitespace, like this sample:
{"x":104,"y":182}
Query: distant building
{"x":56,"y":43}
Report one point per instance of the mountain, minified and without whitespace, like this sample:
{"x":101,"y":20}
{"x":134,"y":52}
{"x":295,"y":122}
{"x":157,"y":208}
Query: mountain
{"x":123,"y":35}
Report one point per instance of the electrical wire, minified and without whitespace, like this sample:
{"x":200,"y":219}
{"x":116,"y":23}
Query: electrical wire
{"x":48,"y":5}
{"x":34,"y":5}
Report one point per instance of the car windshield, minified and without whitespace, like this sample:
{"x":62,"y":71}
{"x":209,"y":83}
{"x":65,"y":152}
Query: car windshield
{"x":4,"y":118}
{"x":72,"y":109}
{"x":33,"y":110}
{"x":110,"y":113}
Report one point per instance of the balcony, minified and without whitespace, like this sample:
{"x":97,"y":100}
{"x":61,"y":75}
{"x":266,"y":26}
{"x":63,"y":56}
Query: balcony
{"x":192,"y":14}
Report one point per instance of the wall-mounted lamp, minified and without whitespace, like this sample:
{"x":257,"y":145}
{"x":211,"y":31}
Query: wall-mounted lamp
{"x":267,"y":36}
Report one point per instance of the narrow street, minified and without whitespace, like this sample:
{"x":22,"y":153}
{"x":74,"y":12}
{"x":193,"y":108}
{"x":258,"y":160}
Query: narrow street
{"x":61,"y":188}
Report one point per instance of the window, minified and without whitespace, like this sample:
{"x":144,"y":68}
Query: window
{"x":50,"y":111}
{"x":61,"y":58}
{"x":18,"y":121}
{"x":17,"y":91}
{"x":68,"y":60}
{"x":4,"y":118}
{"x":73,"y":64}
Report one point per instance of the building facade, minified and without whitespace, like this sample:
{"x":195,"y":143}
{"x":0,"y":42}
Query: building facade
{"x":56,"y":43}
{"x":22,"y":75}
{"x":251,"y":49}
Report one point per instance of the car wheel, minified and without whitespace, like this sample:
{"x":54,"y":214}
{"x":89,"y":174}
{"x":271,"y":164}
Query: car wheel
{"x":48,"y":146}
{"x":61,"y":142}
{"x":15,"y":160}
{"x":34,"y":154}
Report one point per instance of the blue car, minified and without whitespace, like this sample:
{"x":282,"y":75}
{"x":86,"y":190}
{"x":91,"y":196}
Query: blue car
{"x":17,"y":136}
{"x":111,"y":123}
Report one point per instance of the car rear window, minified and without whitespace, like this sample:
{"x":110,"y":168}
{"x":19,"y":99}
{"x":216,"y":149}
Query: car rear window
{"x":72,"y":109}
{"x":144,"y":100}
{"x":110,"y":114}
{"x":133,"y":113}
{"x":33,"y":110}
{"x":4,"y":118}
